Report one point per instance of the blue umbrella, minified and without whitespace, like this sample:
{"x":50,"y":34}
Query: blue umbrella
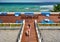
{"x":4,"y":13}
{"x":46,"y":13}
{"x":17,"y":13}
{"x":29,"y":13}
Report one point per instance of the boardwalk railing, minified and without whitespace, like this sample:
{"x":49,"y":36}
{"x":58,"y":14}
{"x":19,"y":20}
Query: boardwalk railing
{"x":6,"y":26}
{"x":38,"y":32}
{"x":10,"y":24}
{"x":21,"y":32}
{"x":54,"y":24}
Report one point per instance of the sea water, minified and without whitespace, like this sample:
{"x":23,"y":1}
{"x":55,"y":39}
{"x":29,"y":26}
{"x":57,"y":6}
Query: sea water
{"x":10,"y":7}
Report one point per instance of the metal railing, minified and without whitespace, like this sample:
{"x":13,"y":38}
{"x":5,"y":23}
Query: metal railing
{"x":19,"y":38}
{"x":19,"y":34}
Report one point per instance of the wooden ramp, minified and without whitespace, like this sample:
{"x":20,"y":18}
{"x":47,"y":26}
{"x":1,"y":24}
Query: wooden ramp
{"x":33,"y":34}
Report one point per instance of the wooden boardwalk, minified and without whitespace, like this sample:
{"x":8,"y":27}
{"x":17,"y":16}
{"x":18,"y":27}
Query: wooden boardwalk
{"x":33,"y":34}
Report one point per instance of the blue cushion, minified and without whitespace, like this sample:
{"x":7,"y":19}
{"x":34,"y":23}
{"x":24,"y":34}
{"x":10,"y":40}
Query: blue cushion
{"x":45,"y":22}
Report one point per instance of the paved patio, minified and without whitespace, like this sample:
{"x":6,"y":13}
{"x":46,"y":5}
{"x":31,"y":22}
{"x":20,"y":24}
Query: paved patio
{"x":8,"y":35}
{"x":50,"y":35}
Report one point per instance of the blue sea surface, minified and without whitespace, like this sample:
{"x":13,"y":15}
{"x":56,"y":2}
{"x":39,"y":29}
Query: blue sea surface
{"x":21,"y":7}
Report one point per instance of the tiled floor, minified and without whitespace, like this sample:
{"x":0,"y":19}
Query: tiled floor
{"x":8,"y":35}
{"x":50,"y":35}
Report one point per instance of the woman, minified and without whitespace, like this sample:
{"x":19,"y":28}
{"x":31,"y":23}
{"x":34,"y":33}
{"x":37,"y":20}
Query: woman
{"x":28,"y":30}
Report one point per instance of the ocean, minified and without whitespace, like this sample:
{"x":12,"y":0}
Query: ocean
{"x":21,"y":7}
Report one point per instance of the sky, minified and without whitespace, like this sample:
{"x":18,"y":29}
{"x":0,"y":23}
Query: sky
{"x":29,"y":0}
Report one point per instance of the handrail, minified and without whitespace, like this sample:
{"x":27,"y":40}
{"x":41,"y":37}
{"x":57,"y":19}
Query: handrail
{"x":10,"y":26}
{"x":20,"y":32}
{"x":38,"y":32}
